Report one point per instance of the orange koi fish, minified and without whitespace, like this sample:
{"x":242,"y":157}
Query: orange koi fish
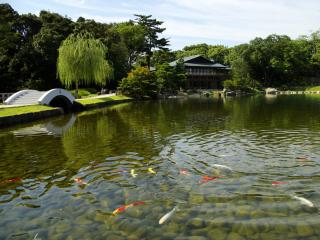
{"x":124,"y":207}
{"x":184,"y":171}
{"x":275,"y":183}
{"x":12,"y":180}
{"x":206,"y":179}
{"x":80,"y":181}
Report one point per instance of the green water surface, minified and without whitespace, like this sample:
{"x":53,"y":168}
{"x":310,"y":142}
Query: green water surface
{"x":261,"y":139}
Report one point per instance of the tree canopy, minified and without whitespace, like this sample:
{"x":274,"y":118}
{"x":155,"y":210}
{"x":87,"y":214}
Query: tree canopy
{"x":152,"y":30}
{"x":82,"y":61}
{"x":29,"y":51}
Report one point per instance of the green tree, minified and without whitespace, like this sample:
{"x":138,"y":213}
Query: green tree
{"x":55,"y":28}
{"x":139,"y":83}
{"x":152,"y":30}
{"x":108,"y":34}
{"x":218,"y":53}
{"x":133,"y":35}
{"x":162,"y":57}
{"x":170,"y":79}
{"x":9,"y":45}
{"x":82,"y":61}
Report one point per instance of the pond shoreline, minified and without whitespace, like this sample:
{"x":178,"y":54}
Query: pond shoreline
{"x":6,"y":121}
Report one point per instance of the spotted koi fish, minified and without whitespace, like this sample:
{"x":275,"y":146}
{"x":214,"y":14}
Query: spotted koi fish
{"x":80,"y":181}
{"x":206,"y":179}
{"x":124,"y":207}
{"x":184,"y":171}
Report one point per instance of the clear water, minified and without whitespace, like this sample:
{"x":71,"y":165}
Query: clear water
{"x":262,"y":139}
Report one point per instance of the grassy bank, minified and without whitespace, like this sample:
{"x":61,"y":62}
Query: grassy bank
{"x":91,"y":101}
{"x":313,"y":89}
{"x":14,"y":111}
{"x":33,"y":109}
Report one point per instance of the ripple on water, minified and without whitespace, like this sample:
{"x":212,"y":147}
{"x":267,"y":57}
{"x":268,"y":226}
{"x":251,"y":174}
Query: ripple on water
{"x":182,"y":146}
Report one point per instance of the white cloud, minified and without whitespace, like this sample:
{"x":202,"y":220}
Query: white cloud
{"x":243,"y":20}
{"x":225,"y":21}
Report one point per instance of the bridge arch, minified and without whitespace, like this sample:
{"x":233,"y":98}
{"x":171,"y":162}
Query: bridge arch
{"x":57,"y":98}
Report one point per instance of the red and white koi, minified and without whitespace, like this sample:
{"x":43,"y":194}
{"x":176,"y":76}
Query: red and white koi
{"x":206,"y":179}
{"x":275,"y":183}
{"x":80,"y":181}
{"x":184,"y":171}
{"x":124,"y":207}
{"x":12,"y":180}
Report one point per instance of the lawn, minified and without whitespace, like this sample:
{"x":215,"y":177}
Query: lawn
{"x":316,"y":88}
{"x":85,"y":92}
{"x":90,"y":101}
{"x":13,"y":111}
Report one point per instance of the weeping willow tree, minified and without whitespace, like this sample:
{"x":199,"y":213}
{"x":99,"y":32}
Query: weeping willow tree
{"x":82,"y":61}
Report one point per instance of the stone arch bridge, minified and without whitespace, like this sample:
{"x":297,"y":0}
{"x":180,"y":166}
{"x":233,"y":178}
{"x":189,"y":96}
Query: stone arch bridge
{"x":55,"y":98}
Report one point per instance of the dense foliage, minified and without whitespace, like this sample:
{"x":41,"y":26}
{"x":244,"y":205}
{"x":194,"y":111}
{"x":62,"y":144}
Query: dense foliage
{"x":82,"y":61}
{"x":141,"y":82}
{"x":29,"y":46}
{"x":29,"y":52}
{"x":276,"y":61}
{"x":217,"y":53}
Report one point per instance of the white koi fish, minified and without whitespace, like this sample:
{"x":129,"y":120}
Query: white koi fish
{"x":222,"y":167}
{"x":168,"y":215}
{"x":133,"y":174}
{"x":304,"y":201}
{"x":36,"y":237}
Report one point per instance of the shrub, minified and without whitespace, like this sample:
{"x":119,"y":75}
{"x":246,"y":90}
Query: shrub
{"x":85,"y":92}
{"x":139,"y":83}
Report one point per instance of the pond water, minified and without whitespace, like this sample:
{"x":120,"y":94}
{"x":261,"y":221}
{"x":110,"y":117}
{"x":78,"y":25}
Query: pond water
{"x":64,"y":178}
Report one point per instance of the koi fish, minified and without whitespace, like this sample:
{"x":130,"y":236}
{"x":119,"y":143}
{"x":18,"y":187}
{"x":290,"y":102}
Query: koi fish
{"x":151,"y":171}
{"x":304,"y":201}
{"x":278,"y":183}
{"x":124,"y":207}
{"x":133,"y":174}
{"x":12,"y":180}
{"x":119,"y":210}
{"x":119,"y":171}
{"x":138,"y":203}
{"x":36,"y":237}
{"x":168,"y":215}
{"x":302,"y":160}
{"x":206,"y":179}
{"x":184,"y":171}
{"x":222,"y":167}
{"x":80,"y":181}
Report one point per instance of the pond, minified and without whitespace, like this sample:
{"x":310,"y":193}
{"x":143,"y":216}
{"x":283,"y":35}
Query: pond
{"x":234,"y":168}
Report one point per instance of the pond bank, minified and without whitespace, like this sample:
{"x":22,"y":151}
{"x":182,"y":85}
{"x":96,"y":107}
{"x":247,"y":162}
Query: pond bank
{"x":23,"y":114}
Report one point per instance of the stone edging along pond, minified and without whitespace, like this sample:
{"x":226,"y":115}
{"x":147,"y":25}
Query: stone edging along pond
{"x":29,"y":117}
{"x":33,"y":116}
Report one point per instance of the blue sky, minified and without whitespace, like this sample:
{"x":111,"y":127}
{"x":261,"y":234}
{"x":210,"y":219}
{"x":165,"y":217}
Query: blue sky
{"x":226,"y":22}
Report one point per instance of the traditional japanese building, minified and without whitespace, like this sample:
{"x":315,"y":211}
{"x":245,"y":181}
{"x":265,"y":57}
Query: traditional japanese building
{"x":203,"y":73}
